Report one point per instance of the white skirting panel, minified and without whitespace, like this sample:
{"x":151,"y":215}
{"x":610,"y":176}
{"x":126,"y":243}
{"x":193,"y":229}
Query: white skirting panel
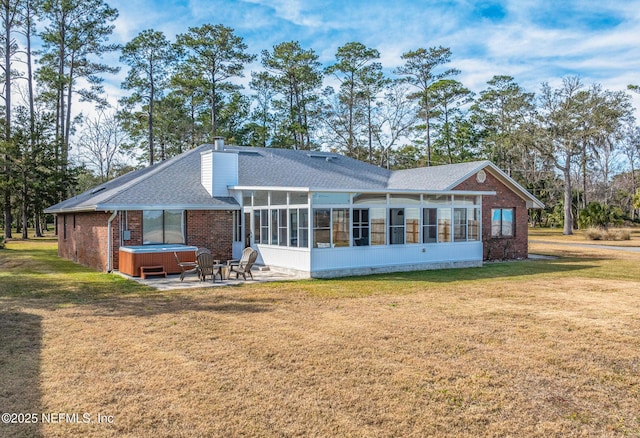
{"x":359,"y":260}
{"x":362,"y":260}
{"x":284,"y":258}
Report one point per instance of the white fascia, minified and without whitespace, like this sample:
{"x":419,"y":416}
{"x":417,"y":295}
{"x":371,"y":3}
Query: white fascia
{"x":391,"y":191}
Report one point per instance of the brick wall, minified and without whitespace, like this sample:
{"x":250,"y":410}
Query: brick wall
{"x":132,"y":220}
{"x":501,"y":248}
{"x":82,"y":238}
{"x":211,"y":229}
{"x":85,"y":240}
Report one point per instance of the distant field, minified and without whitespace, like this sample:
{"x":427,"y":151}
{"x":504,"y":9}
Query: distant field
{"x":529,"y":348}
{"x":555,"y":234}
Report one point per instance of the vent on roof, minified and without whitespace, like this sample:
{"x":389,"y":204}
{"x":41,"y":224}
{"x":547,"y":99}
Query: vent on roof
{"x":324,"y":156}
{"x":245,"y":152}
{"x":97,"y":189}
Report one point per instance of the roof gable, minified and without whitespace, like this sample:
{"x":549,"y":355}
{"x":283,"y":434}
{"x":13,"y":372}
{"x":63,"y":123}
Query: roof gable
{"x":448,"y":177}
{"x":444,"y":177}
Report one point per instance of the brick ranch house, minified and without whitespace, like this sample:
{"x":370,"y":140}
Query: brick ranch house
{"x":317,"y":213}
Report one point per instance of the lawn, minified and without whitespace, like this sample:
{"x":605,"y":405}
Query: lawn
{"x":529,"y":348}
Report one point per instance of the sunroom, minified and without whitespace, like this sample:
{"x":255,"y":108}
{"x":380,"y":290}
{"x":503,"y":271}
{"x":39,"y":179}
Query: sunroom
{"x":337,"y":233}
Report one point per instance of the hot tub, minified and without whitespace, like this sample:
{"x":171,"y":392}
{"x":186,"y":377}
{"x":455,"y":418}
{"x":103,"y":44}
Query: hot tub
{"x":131,"y":258}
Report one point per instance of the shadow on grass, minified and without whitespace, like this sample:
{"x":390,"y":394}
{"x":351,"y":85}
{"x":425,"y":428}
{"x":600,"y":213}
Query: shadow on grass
{"x":489,"y":271}
{"x":20,"y":344}
{"x":114,"y":296}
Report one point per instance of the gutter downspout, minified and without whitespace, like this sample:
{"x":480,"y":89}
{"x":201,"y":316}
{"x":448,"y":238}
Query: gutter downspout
{"x":109,"y":238}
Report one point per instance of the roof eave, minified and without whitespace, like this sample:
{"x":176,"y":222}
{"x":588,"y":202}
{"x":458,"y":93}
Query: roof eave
{"x":129,"y":207}
{"x":274,"y":188}
{"x":81,"y":209}
{"x":351,"y":190}
{"x":535,"y":204}
{"x":123,"y":207}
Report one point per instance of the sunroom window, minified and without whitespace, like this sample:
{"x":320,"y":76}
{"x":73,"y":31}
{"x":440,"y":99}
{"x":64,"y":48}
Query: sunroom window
{"x":322,"y":228}
{"x":264,"y":226}
{"x":473,"y":222}
{"x":396,"y":226}
{"x":274,"y":227}
{"x":412,"y":222}
{"x":303,"y":227}
{"x":331,"y":227}
{"x":282,"y":227}
{"x":340,"y":224}
{"x":293,"y":227}
{"x":444,"y":225}
{"x":360,"y":227}
{"x":256,"y":226}
{"x":429,"y":225}
{"x":377,"y":218}
{"x":459,"y":224}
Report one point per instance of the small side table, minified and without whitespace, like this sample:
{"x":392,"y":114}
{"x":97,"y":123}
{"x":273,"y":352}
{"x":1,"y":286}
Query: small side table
{"x":217,"y":270}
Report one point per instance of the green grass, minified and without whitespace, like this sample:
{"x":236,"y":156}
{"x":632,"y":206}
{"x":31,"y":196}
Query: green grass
{"x":32,"y":269}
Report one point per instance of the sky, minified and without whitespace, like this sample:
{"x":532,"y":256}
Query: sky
{"x":534,"y":41}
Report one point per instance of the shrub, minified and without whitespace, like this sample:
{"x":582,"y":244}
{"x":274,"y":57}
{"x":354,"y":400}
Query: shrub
{"x":621,"y":234}
{"x":600,"y":216}
{"x":1,"y":242}
{"x":593,"y":233}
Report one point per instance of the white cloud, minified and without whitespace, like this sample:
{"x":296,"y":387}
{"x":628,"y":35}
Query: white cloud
{"x":139,"y":15}
{"x":290,"y":10}
{"x":531,"y":43}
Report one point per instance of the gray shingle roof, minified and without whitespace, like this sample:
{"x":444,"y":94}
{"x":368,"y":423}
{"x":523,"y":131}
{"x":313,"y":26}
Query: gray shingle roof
{"x":175,"y":183}
{"x":434,"y":178}
{"x":171,"y":184}
{"x":290,"y":168}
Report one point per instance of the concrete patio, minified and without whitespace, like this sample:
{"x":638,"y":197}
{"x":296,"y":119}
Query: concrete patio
{"x":192,"y":281}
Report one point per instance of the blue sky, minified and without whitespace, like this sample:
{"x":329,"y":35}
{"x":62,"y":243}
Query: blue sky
{"x":534,"y":41}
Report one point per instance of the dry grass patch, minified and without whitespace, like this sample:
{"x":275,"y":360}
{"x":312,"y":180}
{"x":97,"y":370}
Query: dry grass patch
{"x":537,"y":348}
{"x":607,"y":234}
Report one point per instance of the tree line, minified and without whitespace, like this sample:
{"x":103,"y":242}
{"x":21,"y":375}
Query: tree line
{"x":575,"y":146}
